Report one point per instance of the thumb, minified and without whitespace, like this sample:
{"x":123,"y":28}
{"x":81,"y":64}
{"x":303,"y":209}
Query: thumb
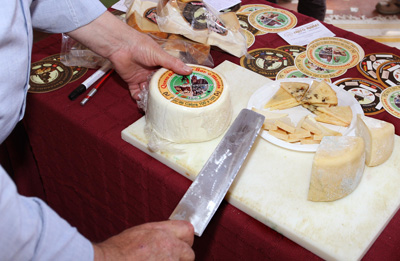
{"x":172,"y":63}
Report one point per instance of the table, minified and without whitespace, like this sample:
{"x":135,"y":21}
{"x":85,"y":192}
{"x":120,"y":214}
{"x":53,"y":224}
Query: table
{"x":102,"y":185}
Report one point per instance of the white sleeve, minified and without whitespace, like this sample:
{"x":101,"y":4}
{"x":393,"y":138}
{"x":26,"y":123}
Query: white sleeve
{"x":30,"y":230}
{"x":60,"y":16}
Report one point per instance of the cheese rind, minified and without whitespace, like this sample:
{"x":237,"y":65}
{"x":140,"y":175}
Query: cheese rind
{"x":378,"y":136}
{"x":188,"y":109}
{"x":338,"y":166}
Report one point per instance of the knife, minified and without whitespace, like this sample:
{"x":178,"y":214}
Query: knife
{"x":207,"y":191}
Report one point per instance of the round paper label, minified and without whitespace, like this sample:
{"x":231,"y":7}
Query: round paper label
{"x":366,"y":92}
{"x":389,"y":73}
{"x":266,"y":61}
{"x":48,"y":75}
{"x":307,"y":67}
{"x":272,"y":20}
{"x":333,"y":53}
{"x":370,"y":63}
{"x":391,"y":100}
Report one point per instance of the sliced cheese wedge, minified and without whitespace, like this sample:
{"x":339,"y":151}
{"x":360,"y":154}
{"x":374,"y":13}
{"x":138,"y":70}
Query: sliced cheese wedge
{"x":378,"y":136}
{"x":281,"y":99}
{"x":337,"y":169}
{"x":320,"y":93}
{"x":341,"y":113}
{"x":296,"y":89}
{"x":325,"y":118}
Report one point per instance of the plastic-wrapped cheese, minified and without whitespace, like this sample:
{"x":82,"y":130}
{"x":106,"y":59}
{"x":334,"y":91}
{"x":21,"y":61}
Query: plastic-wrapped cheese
{"x":378,"y":136}
{"x":185,"y":109}
{"x":337,"y":168}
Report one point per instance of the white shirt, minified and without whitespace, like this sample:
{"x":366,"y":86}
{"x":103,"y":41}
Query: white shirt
{"x":29,"y":229}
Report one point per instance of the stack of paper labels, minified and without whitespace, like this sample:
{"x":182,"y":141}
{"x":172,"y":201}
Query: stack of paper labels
{"x":260,"y":19}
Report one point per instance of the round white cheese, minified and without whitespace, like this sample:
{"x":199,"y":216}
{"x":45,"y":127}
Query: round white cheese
{"x":338,"y":166}
{"x":378,"y":136}
{"x":185,"y":109}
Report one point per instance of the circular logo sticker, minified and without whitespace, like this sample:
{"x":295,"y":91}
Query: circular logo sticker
{"x":244,"y":24}
{"x":293,"y":72}
{"x":304,"y":65}
{"x":366,"y":92}
{"x":266,"y":61}
{"x":247,"y":9}
{"x":333,"y":53}
{"x":294,"y":50}
{"x":250,"y":38}
{"x":389,"y":73}
{"x":391,"y":100}
{"x":48,"y":75}
{"x":370,"y":63}
{"x":199,"y":89}
{"x":77,"y":71}
{"x":272,"y":20}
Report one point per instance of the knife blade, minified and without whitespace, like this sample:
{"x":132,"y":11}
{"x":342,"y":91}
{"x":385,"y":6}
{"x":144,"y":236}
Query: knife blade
{"x":207,"y":191}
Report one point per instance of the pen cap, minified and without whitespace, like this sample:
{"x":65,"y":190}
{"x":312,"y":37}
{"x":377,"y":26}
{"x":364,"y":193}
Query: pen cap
{"x":78,"y":91}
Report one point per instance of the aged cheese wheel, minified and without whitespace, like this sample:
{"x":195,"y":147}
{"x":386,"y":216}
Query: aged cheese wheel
{"x":337,"y":169}
{"x":193,"y":108}
{"x":378,"y":136}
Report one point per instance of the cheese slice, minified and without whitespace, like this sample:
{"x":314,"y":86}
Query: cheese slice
{"x":311,"y":126}
{"x":280,"y":134}
{"x":286,"y":124}
{"x":341,"y":113}
{"x":270,"y":115}
{"x":281,"y":99}
{"x":325,"y":118}
{"x":309,"y":140}
{"x":337,"y":169}
{"x":296,"y":89}
{"x":320,"y":93}
{"x":378,"y":136}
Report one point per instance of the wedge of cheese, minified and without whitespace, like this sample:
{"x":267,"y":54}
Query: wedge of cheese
{"x":281,"y":100}
{"x":337,"y":169}
{"x":378,"y":136}
{"x":320,"y":93}
{"x":296,"y":89}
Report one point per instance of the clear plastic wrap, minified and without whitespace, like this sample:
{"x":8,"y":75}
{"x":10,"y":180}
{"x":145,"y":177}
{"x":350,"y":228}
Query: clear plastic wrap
{"x":194,"y":20}
{"x":74,"y":53}
{"x":142,"y":16}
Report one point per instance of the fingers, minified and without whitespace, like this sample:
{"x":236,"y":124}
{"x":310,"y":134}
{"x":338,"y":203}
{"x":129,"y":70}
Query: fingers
{"x":136,"y":90}
{"x":182,"y":229}
{"x":178,"y":67}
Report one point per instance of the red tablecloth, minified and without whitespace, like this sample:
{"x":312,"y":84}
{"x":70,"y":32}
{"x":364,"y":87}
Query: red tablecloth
{"x":102,"y":185}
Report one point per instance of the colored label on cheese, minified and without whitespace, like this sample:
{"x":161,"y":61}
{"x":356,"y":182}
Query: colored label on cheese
{"x":199,"y":89}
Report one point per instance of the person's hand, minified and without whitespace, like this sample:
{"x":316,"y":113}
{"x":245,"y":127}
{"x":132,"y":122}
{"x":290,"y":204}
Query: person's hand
{"x":167,"y":240}
{"x":134,"y":55}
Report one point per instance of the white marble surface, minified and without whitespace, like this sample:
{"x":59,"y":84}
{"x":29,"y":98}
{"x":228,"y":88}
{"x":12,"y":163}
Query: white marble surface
{"x":272,"y":185}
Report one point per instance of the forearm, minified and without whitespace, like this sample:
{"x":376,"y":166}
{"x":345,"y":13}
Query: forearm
{"x":58,"y":16}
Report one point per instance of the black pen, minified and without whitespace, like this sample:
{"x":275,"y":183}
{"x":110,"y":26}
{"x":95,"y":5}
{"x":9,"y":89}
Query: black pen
{"x":89,"y":81}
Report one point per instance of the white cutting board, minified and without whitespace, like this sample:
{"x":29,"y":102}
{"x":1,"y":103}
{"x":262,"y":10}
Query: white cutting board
{"x":272,"y":185}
